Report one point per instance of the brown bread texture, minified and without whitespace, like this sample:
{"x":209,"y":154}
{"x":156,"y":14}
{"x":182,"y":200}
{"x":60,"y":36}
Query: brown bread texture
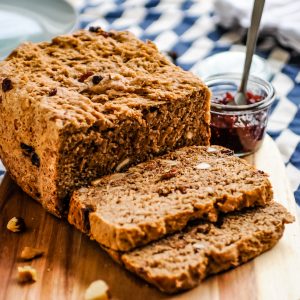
{"x":181,"y":261}
{"x":91,"y":103}
{"x":160,"y":196}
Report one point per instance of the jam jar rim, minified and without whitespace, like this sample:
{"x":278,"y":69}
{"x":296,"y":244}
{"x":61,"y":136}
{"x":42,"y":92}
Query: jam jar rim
{"x":229,"y":77}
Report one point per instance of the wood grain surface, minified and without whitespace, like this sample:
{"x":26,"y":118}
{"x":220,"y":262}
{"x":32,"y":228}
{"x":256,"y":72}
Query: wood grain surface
{"x":72,"y":261}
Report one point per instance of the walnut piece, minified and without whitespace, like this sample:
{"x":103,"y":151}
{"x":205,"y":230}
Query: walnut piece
{"x":98,"y":290}
{"x":29,"y":253}
{"x":211,"y":150}
{"x":122,"y":164}
{"x":189,"y":135}
{"x":203,"y":166}
{"x":199,"y":246}
{"x":16,"y":224}
{"x":169,"y":162}
{"x":26,"y":274}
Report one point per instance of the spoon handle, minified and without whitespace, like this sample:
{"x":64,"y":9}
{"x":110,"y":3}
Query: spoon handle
{"x":251,"y":41}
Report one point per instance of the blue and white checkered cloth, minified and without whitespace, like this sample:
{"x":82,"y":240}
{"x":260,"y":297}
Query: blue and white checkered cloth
{"x":188,"y":28}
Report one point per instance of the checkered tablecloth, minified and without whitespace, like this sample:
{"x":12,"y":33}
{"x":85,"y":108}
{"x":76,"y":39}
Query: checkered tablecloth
{"x":188,"y":28}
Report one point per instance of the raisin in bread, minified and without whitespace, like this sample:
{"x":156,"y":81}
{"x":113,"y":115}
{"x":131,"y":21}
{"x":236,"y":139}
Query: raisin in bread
{"x":129,"y":209}
{"x":181,"y":261}
{"x":88,"y":104}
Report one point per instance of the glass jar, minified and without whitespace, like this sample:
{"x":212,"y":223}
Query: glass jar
{"x":240,"y":128}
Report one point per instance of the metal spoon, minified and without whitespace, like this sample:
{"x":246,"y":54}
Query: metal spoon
{"x":240,"y":97}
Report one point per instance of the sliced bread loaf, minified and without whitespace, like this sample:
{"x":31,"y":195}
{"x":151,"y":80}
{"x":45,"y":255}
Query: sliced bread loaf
{"x":88,"y":104}
{"x":183,"y":260}
{"x":126,"y":210}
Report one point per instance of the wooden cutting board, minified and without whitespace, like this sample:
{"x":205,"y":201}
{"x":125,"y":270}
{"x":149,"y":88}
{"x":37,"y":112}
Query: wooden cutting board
{"x":72,"y":261}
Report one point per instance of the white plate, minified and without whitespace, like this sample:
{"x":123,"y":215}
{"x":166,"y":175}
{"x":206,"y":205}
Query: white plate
{"x":33,"y":20}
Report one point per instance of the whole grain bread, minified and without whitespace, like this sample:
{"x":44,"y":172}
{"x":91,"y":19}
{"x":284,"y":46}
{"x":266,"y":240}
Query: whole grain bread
{"x":90,"y":103}
{"x":126,"y":210}
{"x":181,"y":261}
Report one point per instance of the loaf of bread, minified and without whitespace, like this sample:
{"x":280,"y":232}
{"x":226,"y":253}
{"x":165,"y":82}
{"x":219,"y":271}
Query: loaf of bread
{"x":91,"y":103}
{"x":181,"y":261}
{"x":157,"y":197}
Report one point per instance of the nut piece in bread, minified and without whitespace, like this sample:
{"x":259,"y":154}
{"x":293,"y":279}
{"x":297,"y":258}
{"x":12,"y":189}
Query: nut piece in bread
{"x":98,"y":290}
{"x":27,"y":274}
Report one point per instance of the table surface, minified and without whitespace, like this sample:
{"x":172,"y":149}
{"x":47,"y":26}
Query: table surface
{"x":72,"y":261}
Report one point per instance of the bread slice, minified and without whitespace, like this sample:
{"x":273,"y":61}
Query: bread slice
{"x":89,"y":104}
{"x":126,"y":210}
{"x":181,"y":261}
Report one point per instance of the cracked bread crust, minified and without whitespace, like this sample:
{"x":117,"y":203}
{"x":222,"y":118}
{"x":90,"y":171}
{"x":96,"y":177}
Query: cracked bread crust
{"x":77,"y":107}
{"x":181,"y":261}
{"x":158,"y":197}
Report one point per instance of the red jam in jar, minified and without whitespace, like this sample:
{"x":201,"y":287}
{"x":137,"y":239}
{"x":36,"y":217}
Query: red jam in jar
{"x":240,"y":128}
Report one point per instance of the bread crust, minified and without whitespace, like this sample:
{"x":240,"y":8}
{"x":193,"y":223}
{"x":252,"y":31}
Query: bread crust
{"x":29,"y":145}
